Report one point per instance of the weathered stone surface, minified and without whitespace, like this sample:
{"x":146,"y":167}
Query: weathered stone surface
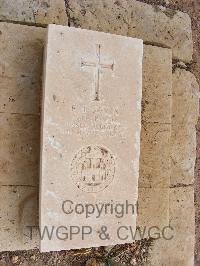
{"x":153,"y":210}
{"x":155,"y":164}
{"x":50,"y":12}
{"x":183,"y":145}
{"x":185,"y":112}
{"x":20,"y":87}
{"x":20,"y":147}
{"x":20,"y":80}
{"x":153,"y":24}
{"x":20,"y":68}
{"x":19,"y":209}
{"x":180,"y":249}
{"x":156,"y":118}
{"x":33,"y":11}
{"x":157,"y":84}
{"x":98,"y":159}
{"x":16,"y":10}
{"x":185,"y":108}
{"x":182,"y":219}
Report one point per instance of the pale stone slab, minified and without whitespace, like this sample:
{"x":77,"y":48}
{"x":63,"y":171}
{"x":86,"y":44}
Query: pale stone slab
{"x":157,"y":84}
{"x":183,"y":157}
{"x":20,"y":147}
{"x":33,"y":11}
{"x":20,"y":68}
{"x":155,"y":163}
{"x":153,"y":211}
{"x":154,"y":24}
{"x":180,"y":249}
{"x":18,"y":211}
{"x":182,"y":219}
{"x":20,"y":80}
{"x":185,"y":106}
{"x":91,"y":121}
{"x":185,"y":113}
{"x":30,"y":105}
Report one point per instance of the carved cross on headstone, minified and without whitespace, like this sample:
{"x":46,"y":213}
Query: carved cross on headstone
{"x":98,"y":68}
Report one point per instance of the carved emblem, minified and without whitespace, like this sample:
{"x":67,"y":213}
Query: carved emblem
{"x":93,"y":168}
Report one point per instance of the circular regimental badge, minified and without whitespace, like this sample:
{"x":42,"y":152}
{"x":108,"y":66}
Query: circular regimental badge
{"x":93,"y":168}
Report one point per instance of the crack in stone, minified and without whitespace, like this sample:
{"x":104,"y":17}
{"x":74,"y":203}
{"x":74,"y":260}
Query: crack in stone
{"x":39,"y":25}
{"x":181,"y":185}
{"x":67,"y":8}
{"x":155,"y":122}
{"x":33,"y":186}
{"x":20,"y":114}
{"x":157,"y":44}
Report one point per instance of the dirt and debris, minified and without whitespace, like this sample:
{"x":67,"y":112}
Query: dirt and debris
{"x":128,"y":254}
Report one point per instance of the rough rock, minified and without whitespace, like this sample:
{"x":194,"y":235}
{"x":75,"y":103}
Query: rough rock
{"x":185,"y":113}
{"x":186,"y":94}
{"x":154,"y":24}
{"x":34,"y":11}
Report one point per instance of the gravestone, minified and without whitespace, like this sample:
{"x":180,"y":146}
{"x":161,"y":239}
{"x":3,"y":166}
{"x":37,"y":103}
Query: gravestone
{"x":20,"y":120}
{"x":90,"y":138}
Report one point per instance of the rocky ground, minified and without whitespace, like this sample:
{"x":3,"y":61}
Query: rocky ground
{"x":135,"y":254}
{"x":129,"y":254}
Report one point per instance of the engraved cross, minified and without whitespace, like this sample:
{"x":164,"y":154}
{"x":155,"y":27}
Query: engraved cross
{"x":98,"y":70}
